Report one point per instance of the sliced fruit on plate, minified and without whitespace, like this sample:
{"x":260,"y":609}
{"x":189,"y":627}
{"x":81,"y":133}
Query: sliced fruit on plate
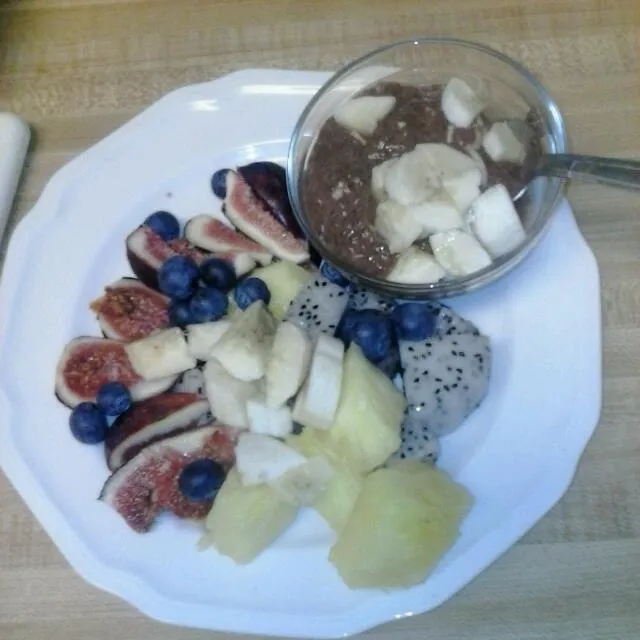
{"x":318,"y":307}
{"x":269,"y":182}
{"x":369,"y":415}
{"x":227,"y":395}
{"x":191,"y":381}
{"x":269,"y":421}
{"x":87,"y":363}
{"x":148,"y":484}
{"x":159,"y":355}
{"x":415,"y":266}
{"x":335,"y":503}
{"x":284,"y":280}
{"x":445,"y":378}
{"x":459,"y":252}
{"x":129,"y":310}
{"x":460,"y":103}
{"x":201,"y":338}
{"x":146,"y":251}
{"x":251,"y":216}
{"x":261,"y":459}
{"x":317,"y":401}
{"x":363,"y":114}
{"x":418,"y":442}
{"x":245,"y":520}
{"x":404,"y":520}
{"x":244,"y":348}
{"x":301,"y":486}
{"x":495,"y":221}
{"x":151,"y":420}
{"x":288,"y":364}
{"x":214,"y":235}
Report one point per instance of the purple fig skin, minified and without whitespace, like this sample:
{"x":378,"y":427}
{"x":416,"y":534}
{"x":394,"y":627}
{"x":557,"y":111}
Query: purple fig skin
{"x":269,"y":182}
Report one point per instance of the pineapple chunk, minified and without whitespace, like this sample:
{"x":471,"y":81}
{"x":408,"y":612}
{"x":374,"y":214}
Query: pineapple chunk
{"x":370,"y":413}
{"x":284,"y":280}
{"x":245,"y":520}
{"x":336,"y":501}
{"x":404,"y":520}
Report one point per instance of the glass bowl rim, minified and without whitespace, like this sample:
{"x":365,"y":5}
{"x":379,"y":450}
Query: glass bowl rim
{"x":458,"y":285}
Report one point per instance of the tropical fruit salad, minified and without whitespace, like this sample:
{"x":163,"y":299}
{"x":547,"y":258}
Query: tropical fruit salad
{"x":240,"y":380}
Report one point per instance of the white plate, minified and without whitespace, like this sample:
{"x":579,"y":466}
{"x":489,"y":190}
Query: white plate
{"x":516,"y":454}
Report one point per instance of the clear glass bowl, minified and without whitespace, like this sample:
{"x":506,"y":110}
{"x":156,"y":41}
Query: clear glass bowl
{"x":513,"y":92}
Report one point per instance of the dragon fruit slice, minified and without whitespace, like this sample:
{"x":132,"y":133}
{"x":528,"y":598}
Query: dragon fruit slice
{"x":450,"y":323}
{"x":318,"y":307}
{"x":445,"y":379}
{"x":250,"y":215}
{"x":363,"y":299}
{"x":191,"y":381}
{"x":417,"y":442}
{"x":214,"y":235}
{"x":148,"y":484}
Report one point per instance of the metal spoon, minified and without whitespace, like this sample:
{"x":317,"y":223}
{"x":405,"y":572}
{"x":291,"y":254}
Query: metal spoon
{"x":612,"y":172}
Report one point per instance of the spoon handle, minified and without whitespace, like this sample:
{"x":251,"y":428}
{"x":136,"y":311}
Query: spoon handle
{"x":614,"y":172}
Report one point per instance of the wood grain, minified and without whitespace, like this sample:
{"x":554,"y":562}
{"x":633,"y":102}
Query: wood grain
{"x":76,"y":69}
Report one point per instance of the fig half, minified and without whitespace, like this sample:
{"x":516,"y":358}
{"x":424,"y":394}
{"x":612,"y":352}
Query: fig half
{"x":151,"y":420}
{"x":269,"y":182}
{"x":87,"y":363}
{"x":213,"y":235}
{"x":148,"y":484}
{"x":129,"y":310}
{"x":146,"y":251}
{"x":251,"y":215}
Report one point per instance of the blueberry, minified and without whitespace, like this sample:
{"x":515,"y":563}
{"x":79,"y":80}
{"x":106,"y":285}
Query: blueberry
{"x":180,"y":313}
{"x":201,"y":479}
{"x":208,"y":304}
{"x":373,"y":333}
{"x":178,"y":277}
{"x":113,"y":398}
{"x":164,"y":224}
{"x":218,"y":273}
{"x":347,"y":325}
{"x":250,"y":290}
{"x":413,"y":321}
{"x":88,"y":424}
{"x":332,"y":274}
{"x":219,"y":183}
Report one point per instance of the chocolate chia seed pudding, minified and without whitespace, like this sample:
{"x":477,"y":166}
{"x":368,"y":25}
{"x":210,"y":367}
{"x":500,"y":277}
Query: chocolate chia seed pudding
{"x":336,"y":185}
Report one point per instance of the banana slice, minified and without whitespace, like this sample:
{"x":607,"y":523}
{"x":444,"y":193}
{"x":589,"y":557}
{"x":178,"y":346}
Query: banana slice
{"x":495,"y":221}
{"x":317,"y":401}
{"x":363,"y":114}
{"x":460,"y":104}
{"x":378,"y":176}
{"x":304,"y":484}
{"x":464,"y":188}
{"x":201,"y":338}
{"x":261,"y":459}
{"x":397,"y":225}
{"x":268,"y":421}
{"x":288,"y":364}
{"x":439,"y":214}
{"x":415,"y":266}
{"x":502,"y":144}
{"x":413,"y":178}
{"x":458,"y":252}
{"x":244,"y":348}
{"x":160,"y":355}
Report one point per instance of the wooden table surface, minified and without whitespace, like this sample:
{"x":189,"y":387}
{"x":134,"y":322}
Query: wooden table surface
{"x":76,"y":69}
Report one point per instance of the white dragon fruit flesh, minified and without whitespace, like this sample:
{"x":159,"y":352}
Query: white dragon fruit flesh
{"x":363,"y":299}
{"x":417,"y":441}
{"x":445,"y":378}
{"x":318,"y":307}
